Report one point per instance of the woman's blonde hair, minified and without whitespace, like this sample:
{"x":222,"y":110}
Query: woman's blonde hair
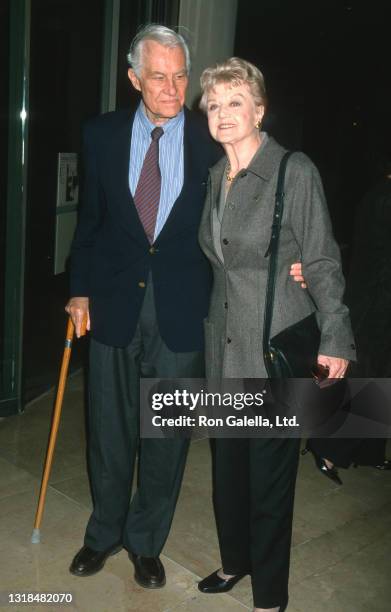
{"x":234,"y":71}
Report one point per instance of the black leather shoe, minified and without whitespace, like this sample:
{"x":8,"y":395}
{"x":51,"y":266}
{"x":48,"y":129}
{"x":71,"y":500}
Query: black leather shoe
{"x":88,"y":561}
{"x":148,"y":571}
{"x":215,"y":584}
{"x":320,"y":463}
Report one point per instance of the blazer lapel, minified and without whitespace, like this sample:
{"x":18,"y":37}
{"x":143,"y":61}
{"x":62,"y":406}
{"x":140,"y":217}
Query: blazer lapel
{"x":117,"y":160}
{"x":216,"y":177}
{"x":265,"y":164}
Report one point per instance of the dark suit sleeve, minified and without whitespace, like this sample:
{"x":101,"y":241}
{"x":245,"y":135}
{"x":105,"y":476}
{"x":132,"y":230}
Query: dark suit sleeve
{"x":321,"y":260}
{"x":91,"y":214}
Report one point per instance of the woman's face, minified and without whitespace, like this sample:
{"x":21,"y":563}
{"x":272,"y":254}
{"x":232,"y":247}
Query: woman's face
{"x":232,"y":113}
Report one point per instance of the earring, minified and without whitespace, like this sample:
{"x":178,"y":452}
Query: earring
{"x":258,"y":125}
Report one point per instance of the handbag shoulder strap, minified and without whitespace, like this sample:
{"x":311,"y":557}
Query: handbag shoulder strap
{"x":272,"y":251}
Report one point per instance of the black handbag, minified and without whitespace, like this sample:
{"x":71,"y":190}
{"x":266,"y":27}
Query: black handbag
{"x":293,"y":352}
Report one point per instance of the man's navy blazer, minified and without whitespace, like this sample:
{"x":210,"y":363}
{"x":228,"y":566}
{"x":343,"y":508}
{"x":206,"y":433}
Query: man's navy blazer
{"x":111,"y":258}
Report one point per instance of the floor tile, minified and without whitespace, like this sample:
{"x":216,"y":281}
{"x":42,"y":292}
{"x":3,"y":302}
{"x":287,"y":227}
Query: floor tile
{"x":14,"y":480}
{"x":214,"y":603}
{"x":341,"y":541}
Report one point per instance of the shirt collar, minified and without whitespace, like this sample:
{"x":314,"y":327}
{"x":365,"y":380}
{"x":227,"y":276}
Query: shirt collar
{"x":263,"y":164}
{"x":254,"y":163}
{"x":148,"y":126}
{"x":265,"y":160}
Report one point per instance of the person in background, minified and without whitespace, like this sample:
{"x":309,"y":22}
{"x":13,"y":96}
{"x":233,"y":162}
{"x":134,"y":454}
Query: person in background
{"x":254,"y":479}
{"x":368,"y":294}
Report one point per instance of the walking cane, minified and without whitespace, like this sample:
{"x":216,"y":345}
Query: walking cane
{"x":36,"y":537}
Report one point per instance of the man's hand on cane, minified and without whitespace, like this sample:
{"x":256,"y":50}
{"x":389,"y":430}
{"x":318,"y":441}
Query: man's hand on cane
{"x":77,"y":308}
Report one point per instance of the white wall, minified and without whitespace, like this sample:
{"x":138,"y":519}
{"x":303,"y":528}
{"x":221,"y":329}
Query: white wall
{"x":210,"y":28}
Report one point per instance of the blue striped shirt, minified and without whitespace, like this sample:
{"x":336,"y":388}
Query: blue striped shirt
{"x":170,"y":159}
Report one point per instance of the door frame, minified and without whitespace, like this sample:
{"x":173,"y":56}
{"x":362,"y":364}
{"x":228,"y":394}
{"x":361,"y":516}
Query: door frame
{"x":19,"y":62}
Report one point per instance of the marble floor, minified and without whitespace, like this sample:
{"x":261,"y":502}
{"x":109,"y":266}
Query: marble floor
{"x":341,"y":554}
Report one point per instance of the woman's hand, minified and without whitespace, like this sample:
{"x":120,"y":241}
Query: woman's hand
{"x":336,"y":365}
{"x":297,"y":273}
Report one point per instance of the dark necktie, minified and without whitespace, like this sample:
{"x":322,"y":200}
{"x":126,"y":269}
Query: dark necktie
{"x":147,"y":194}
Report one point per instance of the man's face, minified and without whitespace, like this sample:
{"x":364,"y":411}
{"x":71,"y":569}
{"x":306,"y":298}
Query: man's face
{"x":162,"y":82}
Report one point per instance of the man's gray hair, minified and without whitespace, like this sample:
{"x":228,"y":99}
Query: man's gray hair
{"x":161,"y":34}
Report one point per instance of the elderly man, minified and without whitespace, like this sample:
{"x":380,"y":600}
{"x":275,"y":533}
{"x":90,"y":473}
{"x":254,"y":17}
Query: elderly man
{"x":139,"y":275}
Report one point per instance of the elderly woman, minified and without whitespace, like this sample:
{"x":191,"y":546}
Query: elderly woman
{"x":255,"y":478}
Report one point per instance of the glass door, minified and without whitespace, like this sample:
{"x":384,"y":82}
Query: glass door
{"x":63,"y":61}
{"x":66,"y":52}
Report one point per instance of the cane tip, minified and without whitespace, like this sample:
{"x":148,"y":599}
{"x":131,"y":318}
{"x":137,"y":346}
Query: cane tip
{"x":36,"y":537}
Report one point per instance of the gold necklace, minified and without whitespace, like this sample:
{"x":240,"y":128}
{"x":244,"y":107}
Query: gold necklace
{"x":227,"y":173}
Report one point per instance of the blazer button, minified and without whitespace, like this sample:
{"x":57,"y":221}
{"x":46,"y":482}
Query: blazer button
{"x":229,"y":340}
{"x":231,"y":205}
{"x":225,"y":304}
{"x":153,"y":250}
{"x":225,"y":241}
{"x":141,"y":285}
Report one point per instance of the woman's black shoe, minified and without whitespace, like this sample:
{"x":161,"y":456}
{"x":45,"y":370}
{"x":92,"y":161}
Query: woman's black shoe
{"x":215,"y":584}
{"x":320,"y":463}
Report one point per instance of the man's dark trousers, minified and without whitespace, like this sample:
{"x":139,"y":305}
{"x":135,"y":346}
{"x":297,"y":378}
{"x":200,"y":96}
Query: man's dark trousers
{"x":143,"y":526}
{"x":111,"y":259}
